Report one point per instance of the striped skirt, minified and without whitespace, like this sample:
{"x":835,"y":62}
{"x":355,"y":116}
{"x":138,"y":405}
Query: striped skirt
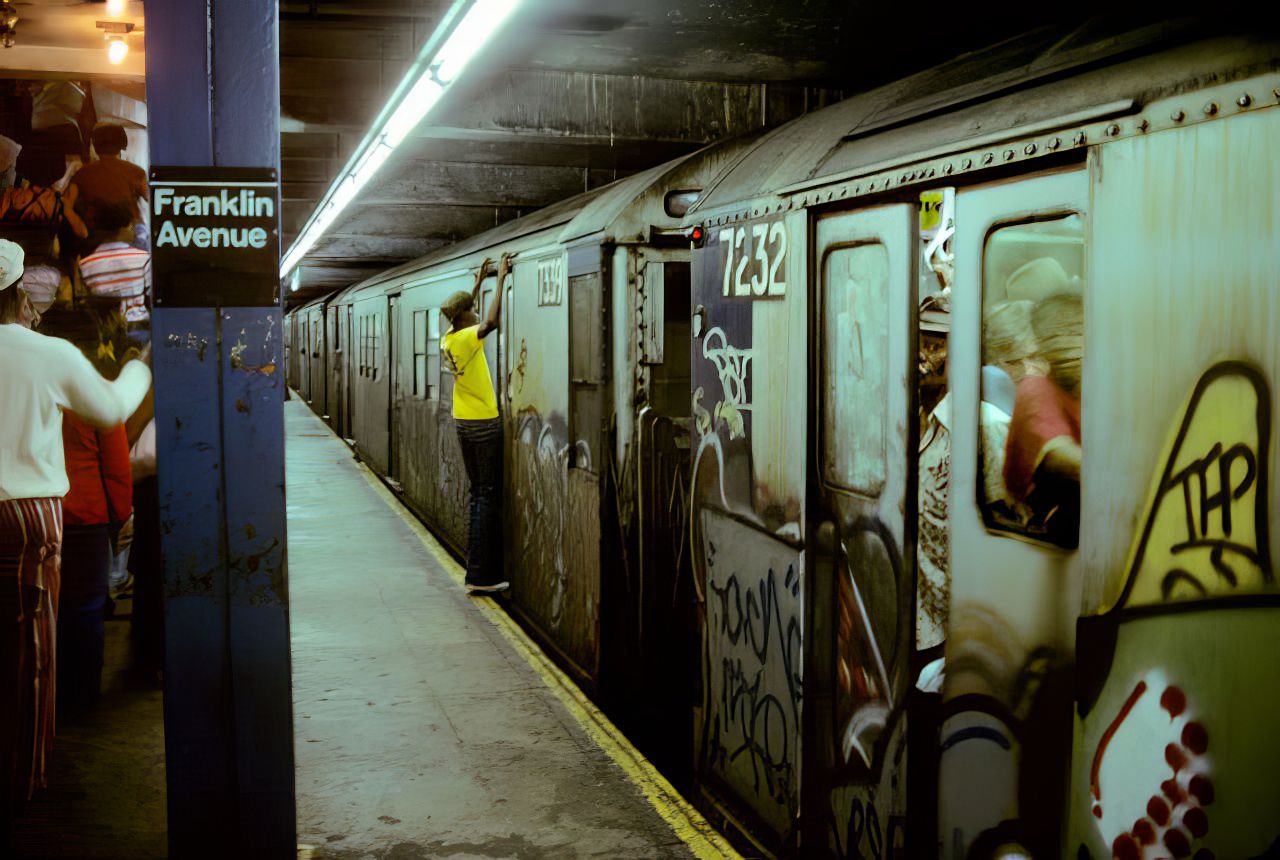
{"x":30,"y":557}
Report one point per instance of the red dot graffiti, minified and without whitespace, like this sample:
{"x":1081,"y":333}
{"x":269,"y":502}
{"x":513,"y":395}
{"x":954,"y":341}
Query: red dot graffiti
{"x":1175,"y":815}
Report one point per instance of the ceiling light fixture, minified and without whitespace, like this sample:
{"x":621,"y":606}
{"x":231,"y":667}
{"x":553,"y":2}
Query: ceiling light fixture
{"x":115,"y":32}
{"x":116,"y":7}
{"x":117,"y":50}
{"x":464,"y":31}
{"x":8,"y":24}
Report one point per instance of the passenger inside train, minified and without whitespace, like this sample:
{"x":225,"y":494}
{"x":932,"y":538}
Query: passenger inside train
{"x":1033,"y":339}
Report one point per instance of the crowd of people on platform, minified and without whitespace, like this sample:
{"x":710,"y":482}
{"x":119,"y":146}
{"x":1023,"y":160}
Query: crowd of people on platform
{"x":79,"y":522}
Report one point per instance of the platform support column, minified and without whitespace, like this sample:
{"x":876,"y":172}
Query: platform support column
{"x":213,"y":101}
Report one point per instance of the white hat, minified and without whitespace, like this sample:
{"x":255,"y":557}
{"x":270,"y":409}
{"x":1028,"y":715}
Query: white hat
{"x":1041,"y":278}
{"x":11,"y":257}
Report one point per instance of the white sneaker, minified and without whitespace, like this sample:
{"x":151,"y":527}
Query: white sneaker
{"x":487,"y":589}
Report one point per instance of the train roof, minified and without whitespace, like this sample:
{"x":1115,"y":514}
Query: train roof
{"x":624,"y":210}
{"x":1018,"y":88}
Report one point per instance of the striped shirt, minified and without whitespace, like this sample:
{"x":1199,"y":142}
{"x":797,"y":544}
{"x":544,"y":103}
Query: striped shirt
{"x":117,"y":270}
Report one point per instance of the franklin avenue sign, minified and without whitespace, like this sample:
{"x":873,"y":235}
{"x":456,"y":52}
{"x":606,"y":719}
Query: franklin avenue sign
{"x":215,"y":236}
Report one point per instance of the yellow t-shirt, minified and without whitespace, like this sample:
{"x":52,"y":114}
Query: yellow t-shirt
{"x":473,"y":398}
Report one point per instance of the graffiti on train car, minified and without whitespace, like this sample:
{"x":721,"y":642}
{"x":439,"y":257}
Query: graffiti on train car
{"x":558,"y":552}
{"x":1206,"y":530}
{"x":755,"y":258}
{"x":871,"y":630}
{"x":734,"y":368}
{"x":753,"y":689}
{"x":1165,"y":748}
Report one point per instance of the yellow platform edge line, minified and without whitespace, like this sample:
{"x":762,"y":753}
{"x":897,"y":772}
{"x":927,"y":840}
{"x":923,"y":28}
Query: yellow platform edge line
{"x":687,"y":823}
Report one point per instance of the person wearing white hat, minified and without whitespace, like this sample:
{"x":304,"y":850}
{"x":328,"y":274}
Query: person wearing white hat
{"x":40,"y":377}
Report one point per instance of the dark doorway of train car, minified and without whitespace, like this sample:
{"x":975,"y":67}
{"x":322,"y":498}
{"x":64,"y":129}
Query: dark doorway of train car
{"x":863,"y":491}
{"x":665,"y":612}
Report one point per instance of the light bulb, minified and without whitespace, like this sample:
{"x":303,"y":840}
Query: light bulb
{"x":117,"y":51}
{"x":115,"y":7}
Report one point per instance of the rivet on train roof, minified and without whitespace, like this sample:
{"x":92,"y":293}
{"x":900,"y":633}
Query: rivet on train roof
{"x":1244,"y":100}
{"x":1030,"y":149}
{"x":1008,"y":155}
{"x":966,"y":164}
{"x":947,"y":168}
{"x":1177,"y":116}
{"x":1144,"y":124}
{"x":1081,"y":138}
{"x":1210,"y":109}
{"x":1053,"y":144}
{"x":988,"y":158}
{"x":1113,"y":130}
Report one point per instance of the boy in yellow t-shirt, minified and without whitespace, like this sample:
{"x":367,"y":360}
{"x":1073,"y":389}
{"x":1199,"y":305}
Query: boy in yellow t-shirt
{"x":475,"y":414}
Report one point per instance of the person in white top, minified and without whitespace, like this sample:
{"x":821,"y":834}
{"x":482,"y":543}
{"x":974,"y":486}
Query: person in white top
{"x":39,"y":378}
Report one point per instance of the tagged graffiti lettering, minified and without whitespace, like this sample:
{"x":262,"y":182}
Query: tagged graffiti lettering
{"x":1148,"y":697}
{"x":753,"y":657}
{"x":734,"y":367}
{"x":1206,"y":531}
{"x":862,"y":827}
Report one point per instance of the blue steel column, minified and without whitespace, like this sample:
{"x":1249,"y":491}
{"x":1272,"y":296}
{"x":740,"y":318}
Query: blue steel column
{"x":213,"y":100}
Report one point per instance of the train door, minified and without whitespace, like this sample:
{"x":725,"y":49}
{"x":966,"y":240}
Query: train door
{"x":1014,"y":595}
{"x":349,"y":366}
{"x":863,"y":488}
{"x":394,"y":398}
{"x":333,"y":380}
{"x":319,"y":360}
{"x":665,"y":657}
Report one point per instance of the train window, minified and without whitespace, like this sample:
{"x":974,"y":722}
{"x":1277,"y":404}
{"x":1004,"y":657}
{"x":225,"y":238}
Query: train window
{"x":1032,"y":353}
{"x":855,"y":366}
{"x":433,"y":354}
{"x":585,"y":326}
{"x":420,"y":386}
{"x":375,"y":345}
{"x":364,"y":345}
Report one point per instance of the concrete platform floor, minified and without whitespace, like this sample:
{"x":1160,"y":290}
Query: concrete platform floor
{"x":106,"y":794}
{"x":425,"y":726}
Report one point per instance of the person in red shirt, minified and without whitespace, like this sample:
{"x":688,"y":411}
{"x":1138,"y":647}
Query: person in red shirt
{"x":96,"y":517}
{"x":1043,"y":453}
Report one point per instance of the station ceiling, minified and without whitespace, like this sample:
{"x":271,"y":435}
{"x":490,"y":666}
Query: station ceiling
{"x":572,"y":95}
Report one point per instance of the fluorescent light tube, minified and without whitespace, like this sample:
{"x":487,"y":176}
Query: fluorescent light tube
{"x":440,"y":64}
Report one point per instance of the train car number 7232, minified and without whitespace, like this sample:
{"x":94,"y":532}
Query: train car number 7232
{"x":754,"y":260}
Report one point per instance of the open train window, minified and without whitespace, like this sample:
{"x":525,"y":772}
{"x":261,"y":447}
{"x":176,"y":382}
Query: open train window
{"x":855,"y":366}
{"x":1032,"y":354}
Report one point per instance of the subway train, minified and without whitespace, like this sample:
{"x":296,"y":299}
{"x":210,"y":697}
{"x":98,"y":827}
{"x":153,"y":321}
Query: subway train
{"x":901,"y":478}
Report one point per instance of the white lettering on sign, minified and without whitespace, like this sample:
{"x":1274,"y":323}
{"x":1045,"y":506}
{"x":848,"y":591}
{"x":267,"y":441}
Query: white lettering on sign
{"x":550,"y":281}
{"x":168,"y":206}
{"x":210,"y":237}
{"x":244,"y":203}
{"x":754,"y":260}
